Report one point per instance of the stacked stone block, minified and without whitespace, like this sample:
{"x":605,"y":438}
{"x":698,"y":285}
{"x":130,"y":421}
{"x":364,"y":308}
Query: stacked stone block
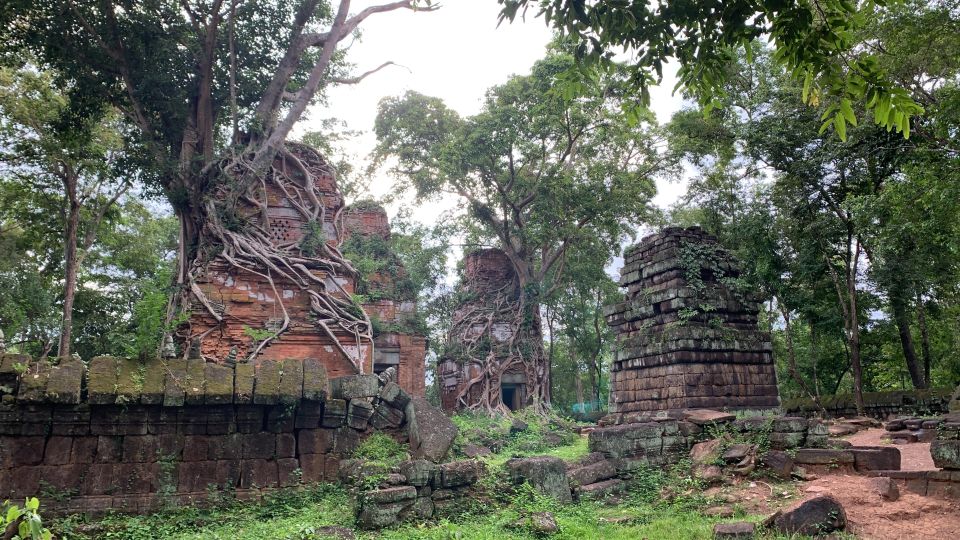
{"x":684,"y":338}
{"x":131,"y":436}
{"x":419,"y":491}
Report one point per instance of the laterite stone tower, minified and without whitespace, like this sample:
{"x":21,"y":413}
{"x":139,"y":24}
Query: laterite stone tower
{"x":687,"y":334}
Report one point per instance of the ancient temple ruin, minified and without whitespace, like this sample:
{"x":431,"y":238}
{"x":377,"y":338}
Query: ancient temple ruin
{"x":687,"y":334}
{"x":483,"y":362}
{"x":389,"y":298}
{"x":264,"y":316}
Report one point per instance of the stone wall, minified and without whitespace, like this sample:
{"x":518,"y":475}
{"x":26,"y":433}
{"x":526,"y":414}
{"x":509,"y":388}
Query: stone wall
{"x":686,"y":338}
{"x":878,"y":405}
{"x":132,"y":436}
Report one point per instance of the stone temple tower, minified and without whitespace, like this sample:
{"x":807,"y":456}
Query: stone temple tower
{"x":687,"y":334}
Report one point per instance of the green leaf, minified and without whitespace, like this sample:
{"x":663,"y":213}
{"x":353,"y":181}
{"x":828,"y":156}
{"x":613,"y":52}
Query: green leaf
{"x":825,"y":125}
{"x":840,"y":125}
{"x":847,"y":110}
{"x":807,"y":81}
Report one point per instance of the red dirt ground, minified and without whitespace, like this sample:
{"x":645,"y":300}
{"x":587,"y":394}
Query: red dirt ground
{"x":911,"y":517}
{"x":913,"y":456}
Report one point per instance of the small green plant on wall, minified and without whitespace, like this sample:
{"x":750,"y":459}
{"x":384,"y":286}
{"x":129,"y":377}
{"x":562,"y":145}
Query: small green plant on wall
{"x":29,"y":525}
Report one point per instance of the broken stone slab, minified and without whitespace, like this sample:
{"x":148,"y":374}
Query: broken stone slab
{"x":419,"y":472}
{"x":823,"y":456}
{"x":711,"y":474}
{"x":736,"y":453}
{"x":702,"y":417}
{"x":876,"y":458}
{"x":546,"y":474}
{"x":538,"y":523}
{"x":842,"y":430}
{"x":379,"y":516}
{"x":817,"y":516}
{"x":778,"y":462}
{"x":385,"y":416}
{"x":359,"y":412}
{"x":473,"y":450}
{"x":885,"y":487}
{"x":603,"y":489}
{"x":790,"y":424}
{"x":355,"y":386}
{"x":787,"y":440}
{"x":894,"y":425}
{"x":459,"y":473}
{"x":706,"y":452}
{"x":390,"y":495}
{"x":903,"y":437}
{"x":946,"y":454}
{"x":393,"y":395}
{"x":431,"y":433}
{"x":590,"y":474}
{"x":734,"y":531}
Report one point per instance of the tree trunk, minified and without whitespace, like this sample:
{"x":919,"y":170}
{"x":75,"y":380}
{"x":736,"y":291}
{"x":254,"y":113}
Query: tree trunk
{"x":855,"y":362}
{"x":906,"y":341}
{"x":924,"y":340}
{"x":70,"y":267}
{"x":792,"y":358}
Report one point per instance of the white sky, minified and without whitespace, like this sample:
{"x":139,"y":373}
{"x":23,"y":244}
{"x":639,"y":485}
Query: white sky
{"x":454,"y":53}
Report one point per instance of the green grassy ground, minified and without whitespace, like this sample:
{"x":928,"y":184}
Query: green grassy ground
{"x":659,"y":504}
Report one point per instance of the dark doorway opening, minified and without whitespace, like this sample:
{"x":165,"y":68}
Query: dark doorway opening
{"x":510,"y":396}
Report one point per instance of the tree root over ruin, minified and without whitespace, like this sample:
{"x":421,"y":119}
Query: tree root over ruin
{"x":233,"y":227}
{"x":484,"y":352}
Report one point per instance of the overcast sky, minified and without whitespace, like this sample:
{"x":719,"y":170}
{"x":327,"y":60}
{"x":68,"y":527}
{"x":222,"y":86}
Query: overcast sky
{"x":454,"y":53}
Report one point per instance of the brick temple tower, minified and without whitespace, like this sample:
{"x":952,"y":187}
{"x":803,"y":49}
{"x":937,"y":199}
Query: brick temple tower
{"x":687,"y":337}
{"x":251,"y":307}
{"x":391,"y":302}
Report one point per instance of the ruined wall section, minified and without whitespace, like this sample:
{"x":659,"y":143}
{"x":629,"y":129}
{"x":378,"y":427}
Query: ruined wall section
{"x":252,"y":308}
{"x":390,"y":301}
{"x":687,"y":335}
{"x":124,"y":435}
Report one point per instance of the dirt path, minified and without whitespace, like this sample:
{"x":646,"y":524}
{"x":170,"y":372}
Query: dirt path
{"x":871,"y":518}
{"x":913,"y":456}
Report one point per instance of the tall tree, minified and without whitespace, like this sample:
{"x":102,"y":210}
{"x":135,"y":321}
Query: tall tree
{"x":62,"y":165}
{"x":816,"y":42}
{"x":213,"y":88}
{"x":540,"y":175}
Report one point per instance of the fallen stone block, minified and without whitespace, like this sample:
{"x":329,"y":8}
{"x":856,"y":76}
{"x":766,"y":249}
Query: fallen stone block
{"x":876,"y":458}
{"x":546,"y":474}
{"x":459,"y":473}
{"x":779,"y":463}
{"x":885,"y":487}
{"x":738,"y":452}
{"x":823,"y":456}
{"x":734,"y":531}
{"x":702,"y":417}
{"x":817,"y":516}
{"x":420,"y":472}
{"x":355,"y":386}
{"x":600,"y":490}
{"x":946,"y":454}
{"x":589,"y":474}
{"x":431,"y":432}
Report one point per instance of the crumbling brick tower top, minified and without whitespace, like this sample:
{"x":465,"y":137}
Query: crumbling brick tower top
{"x":390,"y":300}
{"x":252,"y":306}
{"x":480,"y":366}
{"x":687,"y":334}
